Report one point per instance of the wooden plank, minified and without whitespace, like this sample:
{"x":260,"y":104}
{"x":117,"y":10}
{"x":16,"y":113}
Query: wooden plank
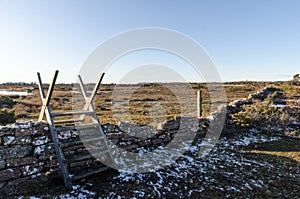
{"x":79,"y":158}
{"x":79,"y":141}
{"x":43,"y":96}
{"x":71,"y":113}
{"x":89,"y":173}
{"x":97,"y":152}
{"x":58,"y":150}
{"x":51,"y":88}
{"x":83,"y":90}
{"x":46,"y":100}
{"x":41,"y":87}
{"x":76,"y":127}
{"x":91,"y":99}
{"x":68,"y":143}
{"x":68,"y":121}
{"x":199,"y":103}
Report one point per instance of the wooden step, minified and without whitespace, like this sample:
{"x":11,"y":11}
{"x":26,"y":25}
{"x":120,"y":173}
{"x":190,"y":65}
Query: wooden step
{"x":79,"y":141}
{"x":79,"y":158}
{"x":88,"y":173}
{"x":73,"y":128}
{"x":85,"y":156}
{"x":71,"y":113}
{"x":68,"y":121}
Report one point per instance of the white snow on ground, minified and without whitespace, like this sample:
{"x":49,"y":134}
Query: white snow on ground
{"x":191,"y":174}
{"x":30,"y":197}
{"x":78,"y":192}
{"x":220,"y":158}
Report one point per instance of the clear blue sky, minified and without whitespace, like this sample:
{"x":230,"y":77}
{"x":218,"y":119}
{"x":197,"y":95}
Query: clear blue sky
{"x":247,"y":40}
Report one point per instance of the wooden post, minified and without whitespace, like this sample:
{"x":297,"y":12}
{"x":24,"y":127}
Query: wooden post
{"x":199,"y":103}
{"x":46,"y":99}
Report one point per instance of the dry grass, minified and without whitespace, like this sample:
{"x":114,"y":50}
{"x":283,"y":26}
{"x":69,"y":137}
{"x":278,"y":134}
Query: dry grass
{"x":148,"y":104}
{"x":293,"y":155}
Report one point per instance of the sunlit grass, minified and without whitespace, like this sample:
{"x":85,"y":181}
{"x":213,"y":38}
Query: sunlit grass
{"x":294,"y":155}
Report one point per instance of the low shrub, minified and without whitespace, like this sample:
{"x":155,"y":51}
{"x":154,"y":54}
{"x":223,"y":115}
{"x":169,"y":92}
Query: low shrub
{"x":6,"y":101}
{"x":7,"y":117}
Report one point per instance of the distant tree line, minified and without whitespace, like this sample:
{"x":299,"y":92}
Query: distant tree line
{"x":19,"y":84}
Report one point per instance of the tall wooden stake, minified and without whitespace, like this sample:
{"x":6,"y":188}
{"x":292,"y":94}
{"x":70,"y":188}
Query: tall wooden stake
{"x":199,"y":103}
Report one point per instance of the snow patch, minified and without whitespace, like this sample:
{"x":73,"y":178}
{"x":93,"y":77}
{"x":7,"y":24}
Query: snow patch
{"x":39,"y":149}
{"x":9,"y":140}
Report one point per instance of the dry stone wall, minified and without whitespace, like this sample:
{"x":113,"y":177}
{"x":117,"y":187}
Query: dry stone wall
{"x":25,"y":150}
{"x":236,"y":106}
{"x":27,"y":154}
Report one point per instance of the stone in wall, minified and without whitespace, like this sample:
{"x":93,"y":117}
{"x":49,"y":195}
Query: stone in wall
{"x":10,"y":173}
{"x":236,"y":106}
{"x":169,"y":125}
{"x":21,"y":161}
{"x":2,"y":164}
{"x":137,"y":130}
{"x":16,"y":151}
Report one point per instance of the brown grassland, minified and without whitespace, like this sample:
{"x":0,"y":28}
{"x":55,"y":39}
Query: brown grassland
{"x":140,"y":108}
{"x":139,"y":104}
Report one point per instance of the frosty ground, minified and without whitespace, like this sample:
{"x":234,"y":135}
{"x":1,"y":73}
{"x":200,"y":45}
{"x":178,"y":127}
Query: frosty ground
{"x":227,"y":171}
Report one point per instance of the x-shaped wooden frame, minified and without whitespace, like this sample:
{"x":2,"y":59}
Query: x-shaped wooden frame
{"x":46,"y":99}
{"x":89,"y":100}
